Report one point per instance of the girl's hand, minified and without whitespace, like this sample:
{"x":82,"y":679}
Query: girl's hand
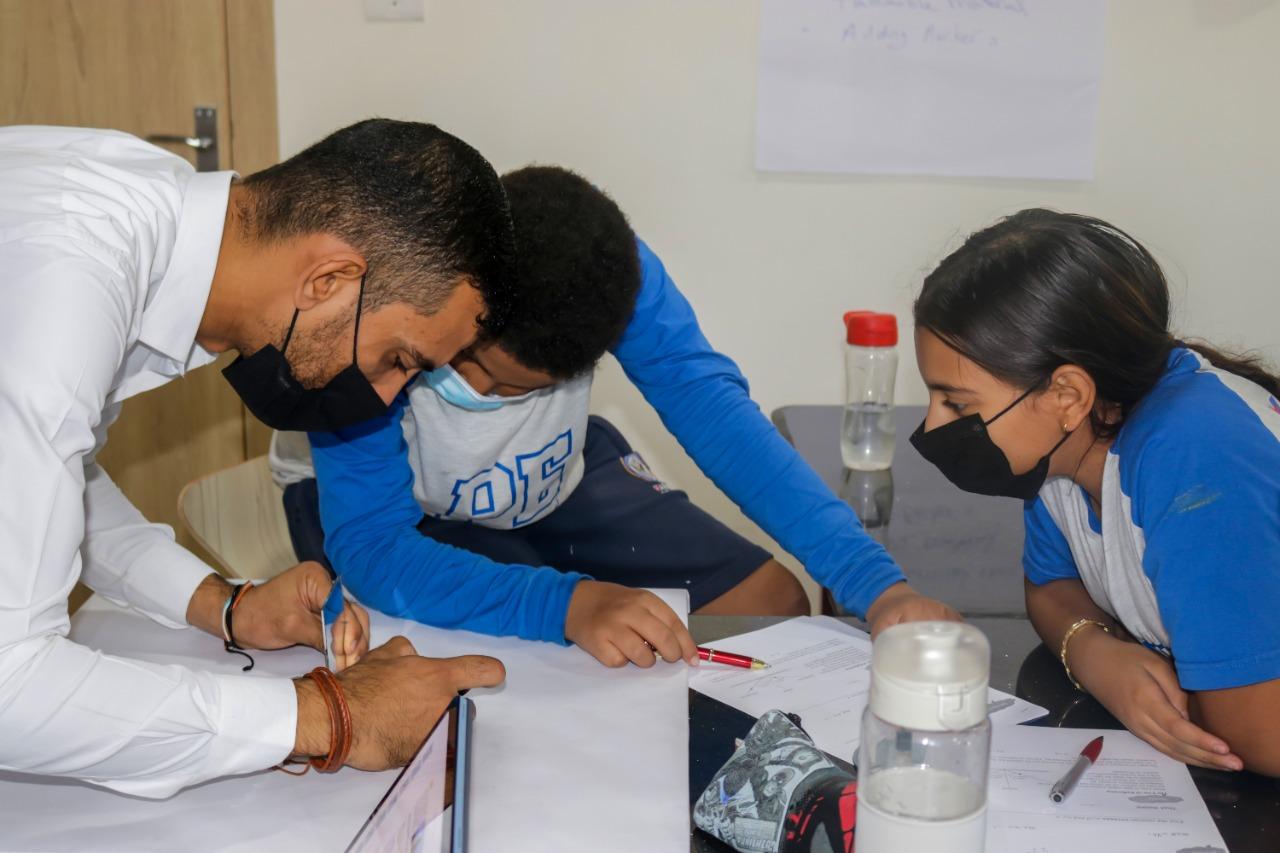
{"x":1140,"y":688}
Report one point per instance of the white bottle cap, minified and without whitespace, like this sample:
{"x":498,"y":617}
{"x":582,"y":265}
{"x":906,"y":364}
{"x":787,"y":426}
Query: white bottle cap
{"x":930,"y":676}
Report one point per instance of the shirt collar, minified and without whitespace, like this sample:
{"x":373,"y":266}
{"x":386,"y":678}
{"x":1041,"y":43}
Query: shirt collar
{"x":173,"y":313}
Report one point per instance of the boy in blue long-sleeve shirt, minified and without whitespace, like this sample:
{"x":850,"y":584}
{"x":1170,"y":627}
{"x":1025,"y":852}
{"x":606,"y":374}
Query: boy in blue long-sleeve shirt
{"x":488,"y":499}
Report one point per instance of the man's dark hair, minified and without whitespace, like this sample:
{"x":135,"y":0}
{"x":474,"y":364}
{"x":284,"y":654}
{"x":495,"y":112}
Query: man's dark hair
{"x":577,"y":271}
{"x":423,"y":207}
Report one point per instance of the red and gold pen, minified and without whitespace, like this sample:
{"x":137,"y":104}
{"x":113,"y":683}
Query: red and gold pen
{"x":716,"y":656}
{"x":1087,"y":758}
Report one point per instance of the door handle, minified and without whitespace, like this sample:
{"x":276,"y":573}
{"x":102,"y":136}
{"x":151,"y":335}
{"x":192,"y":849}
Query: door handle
{"x":204,"y":141}
{"x":197,"y":142}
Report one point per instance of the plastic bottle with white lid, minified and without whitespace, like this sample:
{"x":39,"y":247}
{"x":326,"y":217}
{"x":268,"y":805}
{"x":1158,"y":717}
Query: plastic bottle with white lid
{"x":870,"y":368}
{"x":925,"y":747}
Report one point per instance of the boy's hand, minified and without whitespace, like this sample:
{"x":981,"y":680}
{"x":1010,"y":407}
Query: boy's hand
{"x":350,"y":636}
{"x":900,"y":603}
{"x":1140,"y":687}
{"x":616,"y":624}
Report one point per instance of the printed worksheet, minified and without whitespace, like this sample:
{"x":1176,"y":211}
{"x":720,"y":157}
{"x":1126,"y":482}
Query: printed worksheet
{"x":819,"y":668}
{"x":1143,"y":801}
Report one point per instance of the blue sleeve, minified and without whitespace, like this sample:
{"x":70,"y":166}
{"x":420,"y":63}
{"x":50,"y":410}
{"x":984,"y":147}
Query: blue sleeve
{"x":370,"y":519}
{"x":1205,"y":489}
{"x":1046,"y":556}
{"x":704,"y":402}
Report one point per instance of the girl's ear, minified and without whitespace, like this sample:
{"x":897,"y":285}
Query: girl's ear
{"x":1072,"y":395}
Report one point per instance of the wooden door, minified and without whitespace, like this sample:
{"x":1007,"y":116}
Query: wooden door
{"x":142,"y":66}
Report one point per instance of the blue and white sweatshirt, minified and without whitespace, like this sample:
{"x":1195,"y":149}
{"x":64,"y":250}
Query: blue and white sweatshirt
{"x":370,"y":514}
{"x":1186,"y":554}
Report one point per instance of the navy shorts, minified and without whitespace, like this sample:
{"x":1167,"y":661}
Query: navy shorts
{"x":621,"y":524}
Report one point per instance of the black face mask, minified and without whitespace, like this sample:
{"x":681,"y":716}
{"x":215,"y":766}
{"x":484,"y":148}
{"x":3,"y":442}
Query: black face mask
{"x":965,"y":454}
{"x":266,"y":384}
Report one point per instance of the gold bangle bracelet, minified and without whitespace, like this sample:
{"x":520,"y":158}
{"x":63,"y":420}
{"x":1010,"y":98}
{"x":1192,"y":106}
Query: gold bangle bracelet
{"x":1066,"y":638}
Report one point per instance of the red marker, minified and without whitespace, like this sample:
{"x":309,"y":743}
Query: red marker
{"x":730,"y":658}
{"x":1064,"y":786}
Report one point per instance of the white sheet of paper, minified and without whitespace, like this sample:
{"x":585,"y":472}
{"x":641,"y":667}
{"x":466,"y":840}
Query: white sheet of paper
{"x":571,"y":755}
{"x":990,"y":88}
{"x":564,"y":752}
{"x":1139,"y":800}
{"x":819,"y":668}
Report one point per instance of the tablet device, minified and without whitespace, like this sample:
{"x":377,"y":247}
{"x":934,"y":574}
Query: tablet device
{"x":425,"y":811}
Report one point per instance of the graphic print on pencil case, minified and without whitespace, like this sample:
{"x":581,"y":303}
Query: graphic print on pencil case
{"x":531,"y":483}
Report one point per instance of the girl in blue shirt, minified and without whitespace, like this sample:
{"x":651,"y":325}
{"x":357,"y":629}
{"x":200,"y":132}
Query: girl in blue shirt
{"x":1150,"y":470}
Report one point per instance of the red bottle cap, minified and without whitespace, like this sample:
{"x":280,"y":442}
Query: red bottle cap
{"x":869,"y":329}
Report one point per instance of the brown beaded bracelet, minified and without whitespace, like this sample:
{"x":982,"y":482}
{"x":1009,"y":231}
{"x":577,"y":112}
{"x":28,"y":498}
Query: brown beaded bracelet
{"x":340,"y":729}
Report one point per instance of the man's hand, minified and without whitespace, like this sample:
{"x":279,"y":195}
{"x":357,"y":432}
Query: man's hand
{"x":1140,"y":687}
{"x":616,"y":624}
{"x":395,"y":698}
{"x":901,"y":603}
{"x":284,"y":611}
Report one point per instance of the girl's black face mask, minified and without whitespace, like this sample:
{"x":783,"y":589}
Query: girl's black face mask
{"x":965,"y":454}
{"x":266,"y":384}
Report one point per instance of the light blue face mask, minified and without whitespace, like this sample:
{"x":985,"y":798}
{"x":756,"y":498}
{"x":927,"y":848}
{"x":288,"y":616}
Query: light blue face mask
{"x":455,"y":390}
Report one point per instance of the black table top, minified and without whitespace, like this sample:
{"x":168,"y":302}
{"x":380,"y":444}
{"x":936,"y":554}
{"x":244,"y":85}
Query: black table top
{"x":965,"y":550}
{"x":1245,"y":806}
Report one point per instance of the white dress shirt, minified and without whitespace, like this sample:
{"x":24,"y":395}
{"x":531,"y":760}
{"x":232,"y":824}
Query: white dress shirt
{"x":107,"y":252}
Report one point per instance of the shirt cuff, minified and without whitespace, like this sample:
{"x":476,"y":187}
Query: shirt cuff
{"x":161,"y":581}
{"x":257,"y":724}
{"x":1040,"y":575}
{"x":1226,"y":674}
{"x":550,"y":599}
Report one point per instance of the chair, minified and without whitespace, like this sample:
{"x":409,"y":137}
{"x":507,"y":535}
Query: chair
{"x":237,"y":515}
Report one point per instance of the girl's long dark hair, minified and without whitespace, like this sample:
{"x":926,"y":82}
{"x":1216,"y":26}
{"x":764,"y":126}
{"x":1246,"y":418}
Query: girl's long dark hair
{"x":1041,"y":289}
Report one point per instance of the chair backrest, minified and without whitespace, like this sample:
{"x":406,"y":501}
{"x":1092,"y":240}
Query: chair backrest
{"x":237,"y":514}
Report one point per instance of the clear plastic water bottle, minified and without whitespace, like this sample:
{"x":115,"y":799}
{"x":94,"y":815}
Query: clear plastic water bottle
{"x":870,"y":368}
{"x":926,"y":741}
{"x":870,"y":493}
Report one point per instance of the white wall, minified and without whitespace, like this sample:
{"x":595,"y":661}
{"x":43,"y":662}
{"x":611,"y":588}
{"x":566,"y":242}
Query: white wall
{"x":655,"y":102}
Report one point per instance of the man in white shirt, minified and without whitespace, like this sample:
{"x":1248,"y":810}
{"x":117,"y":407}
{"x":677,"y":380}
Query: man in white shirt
{"x":336,"y":275}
